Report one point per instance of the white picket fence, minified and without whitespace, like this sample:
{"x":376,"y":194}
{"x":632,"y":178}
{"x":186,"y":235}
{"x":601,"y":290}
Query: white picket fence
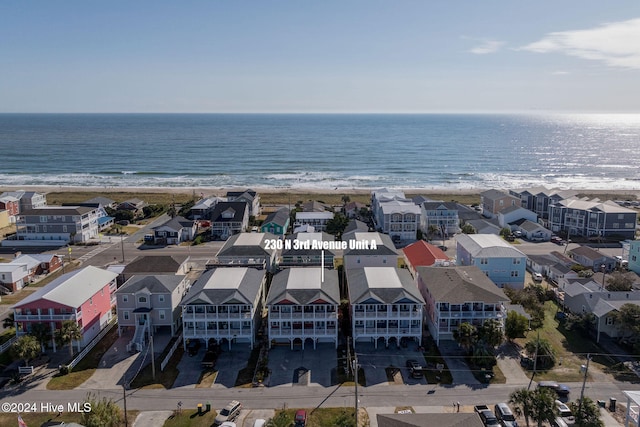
{"x":4,"y":347}
{"x":93,"y":342}
{"x":173,"y":349}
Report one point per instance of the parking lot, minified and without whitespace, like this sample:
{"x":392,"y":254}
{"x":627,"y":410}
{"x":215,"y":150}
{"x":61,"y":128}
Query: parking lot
{"x":303,"y":367}
{"x":374,"y":362}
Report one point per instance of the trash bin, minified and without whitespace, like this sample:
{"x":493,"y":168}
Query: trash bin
{"x":612,"y":404}
{"x":602,"y":404}
{"x":208,"y":406}
{"x":199,"y":408}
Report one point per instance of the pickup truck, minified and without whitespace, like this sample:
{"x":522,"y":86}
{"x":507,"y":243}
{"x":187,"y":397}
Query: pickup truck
{"x":487,"y":416}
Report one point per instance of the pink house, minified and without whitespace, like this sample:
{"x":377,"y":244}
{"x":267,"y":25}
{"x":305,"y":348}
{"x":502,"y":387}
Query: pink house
{"x":85,"y":296}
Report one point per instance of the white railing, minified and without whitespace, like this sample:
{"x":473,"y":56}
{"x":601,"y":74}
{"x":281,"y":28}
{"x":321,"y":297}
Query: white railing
{"x":45,"y":317}
{"x":93,"y":342}
{"x":172,"y":350}
{"x":310,"y":316}
{"x":299,"y":332}
{"x":4,"y":347}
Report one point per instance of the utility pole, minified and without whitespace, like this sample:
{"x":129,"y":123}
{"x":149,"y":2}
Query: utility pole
{"x":122,"y":245}
{"x":124,"y":399}
{"x":153,"y":358}
{"x":584,"y":381}
{"x":535,"y":360}
{"x":355,"y":369}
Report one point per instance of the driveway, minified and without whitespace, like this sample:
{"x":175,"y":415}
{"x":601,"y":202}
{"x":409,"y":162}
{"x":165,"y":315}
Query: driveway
{"x":508,"y":359}
{"x":229,"y":363}
{"x":454,"y":357}
{"x":375,"y":361}
{"x":303,"y":367}
{"x":113,"y":365}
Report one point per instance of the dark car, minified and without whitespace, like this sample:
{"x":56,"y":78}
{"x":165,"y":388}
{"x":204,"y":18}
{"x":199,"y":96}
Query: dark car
{"x":560,"y":389}
{"x":193,"y":346}
{"x":300,"y":418}
{"x":415,"y":369}
{"x":443,"y":248}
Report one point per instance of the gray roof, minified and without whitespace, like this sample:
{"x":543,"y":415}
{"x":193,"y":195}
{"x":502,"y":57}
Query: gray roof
{"x":484,"y":226}
{"x":433,"y":205}
{"x":279,"y":217}
{"x":548,"y":260}
{"x":518,"y":309}
{"x":456,"y":419}
{"x":101,"y":201}
{"x":531,"y":226}
{"x":239,"y":209}
{"x":488,"y":246}
{"x":304,"y":285}
{"x":460,"y":284}
{"x":384,"y":244}
{"x":355,"y":225}
{"x":494,"y":194}
{"x":226,"y":285}
{"x":58,"y":210}
{"x":510,"y":209}
{"x":176,"y":223}
{"x":155,"y":264}
{"x":386,"y":285}
{"x":156,"y":284}
{"x":317,"y":236}
{"x":588,"y":253}
{"x":247,"y":245}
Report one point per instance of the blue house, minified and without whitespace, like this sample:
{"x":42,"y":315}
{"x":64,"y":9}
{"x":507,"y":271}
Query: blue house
{"x":634,"y":256}
{"x":500,"y":261}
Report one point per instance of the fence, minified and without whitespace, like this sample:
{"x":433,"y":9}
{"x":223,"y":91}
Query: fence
{"x":4,"y":347}
{"x":174,"y":347}
{"x":93,"y":342}
{"x":24,"y":370}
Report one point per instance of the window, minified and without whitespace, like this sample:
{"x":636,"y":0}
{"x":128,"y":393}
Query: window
{"x":161,"y":298}
{"x":142,"y":299}
{"x":64,"y":228}
{"x":514,"y":273}
{"x":125,"y":298}
{"x":161,"y":314}
{"x":609,"y":321}
{"x":125,"y":315}
{"x":91,"y":301}
{"x":516,"y":260}
{"x":484,"y":261}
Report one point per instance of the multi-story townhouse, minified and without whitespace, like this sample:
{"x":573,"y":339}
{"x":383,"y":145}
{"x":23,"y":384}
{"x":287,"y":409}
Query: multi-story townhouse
{"x":386,"y":305}
{"x":317,"y":220}
{"x":501,"y":262}
{"x":369,"y":249}
{"x":148,"y":305}
{"x":593,"y":219}
{"x":61,"y":223}
{"x":248,"y":196}
{"x":589,"y":257}
{"x":229,"y":218}
{"x":303,"y":305}
{"x":400,"y":220}
{"x":306,"y":249}
{"x":257,"y":250}
{"x":495,"y":201}
{"x":440,"y":216}
{"x":84,"y":296}
{"x":277,"y":222}
{"x":27,"y":199}
{"x":538,"y":199}
{"x":381,"y":196}
{"x":634,"y":256}
{"x":225,"y":305}
{"x":456,"y":295}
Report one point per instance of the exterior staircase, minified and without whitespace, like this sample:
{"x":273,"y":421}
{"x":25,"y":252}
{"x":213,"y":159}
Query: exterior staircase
{"x":138,"y":342}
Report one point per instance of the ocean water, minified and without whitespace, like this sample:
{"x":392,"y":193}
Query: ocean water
{"x":323,"y":151}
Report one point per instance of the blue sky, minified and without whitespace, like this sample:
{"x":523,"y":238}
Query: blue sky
{"x":319,"y":56}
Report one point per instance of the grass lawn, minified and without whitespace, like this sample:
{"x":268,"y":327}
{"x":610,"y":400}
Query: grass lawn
{"x":7,"y":334}
{"x":571,"y":348}
{"x":86,"y":367}
{"x":190,"y":418}
{"x":164,"y":379}
{"x":325,"y":417}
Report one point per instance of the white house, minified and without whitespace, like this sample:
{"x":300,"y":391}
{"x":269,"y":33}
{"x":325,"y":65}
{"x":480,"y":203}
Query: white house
{"x":318,"y":220}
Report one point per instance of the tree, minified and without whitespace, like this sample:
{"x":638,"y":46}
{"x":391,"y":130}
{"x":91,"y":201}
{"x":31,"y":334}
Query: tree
{"x":587,"y":414}
{"x":618,"y":282}
{"x":280,"y":420}
{"x":505,"y":232}
{"x":465,"y":335}
{"x":628,"y":319}
{"x":337,"y":224}
{"x":103,"y":413}
{"x":42,"y":333}
{"x":521,"y":400}
{"x":542,"y":348}
{"x":468,"y":229}
{"x":8,"y":322}
{"x":69,"y":332}
{"x":26,"y":347}
{"x":515,"y":325}
{"x":582,"y":322}
{"x":345,"y":199}
{"x":491,"y":333}
{"x":543,"y":405}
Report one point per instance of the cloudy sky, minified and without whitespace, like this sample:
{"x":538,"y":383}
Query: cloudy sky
{"x":319,"y":56}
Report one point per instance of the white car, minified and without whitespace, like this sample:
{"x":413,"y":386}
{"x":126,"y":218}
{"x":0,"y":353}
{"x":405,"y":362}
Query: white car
{"x":565,"y":413}
{"x":537,"y":277}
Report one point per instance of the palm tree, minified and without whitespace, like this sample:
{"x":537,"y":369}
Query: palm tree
{"x":69,"y":332}
{"x":42,"y":333}
{"x":521,"y":400}
{"x":26,"y":347}
{"x":543,"y":405}
{"x":465,"y":335}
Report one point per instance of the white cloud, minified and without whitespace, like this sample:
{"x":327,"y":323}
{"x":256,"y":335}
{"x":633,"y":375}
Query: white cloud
{"x":616,"y":44}
{"x":487,"y":46}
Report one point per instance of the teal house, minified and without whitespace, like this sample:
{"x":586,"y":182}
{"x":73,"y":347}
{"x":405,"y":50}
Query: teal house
{"x":277,"y":222}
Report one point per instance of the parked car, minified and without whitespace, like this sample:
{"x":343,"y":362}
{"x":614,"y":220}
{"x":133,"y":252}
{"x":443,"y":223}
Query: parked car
{"x":443,"y":248}
{"x":504,"y":415}
{"x":557,"y":240}
{"x":560,"y":389}
{"x":300,"y":418}
{"x":415,"y":369}
{"x":488,"y":418}
{"x":228,"y":413}
{"x":193,"y":346}
{"x":228,"y":424}
{"x":565,"y":413}
{"x":259,"y":422}
{"x":537,"y":277}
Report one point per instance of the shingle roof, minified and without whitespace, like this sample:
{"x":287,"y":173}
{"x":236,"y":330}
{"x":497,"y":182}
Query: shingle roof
{"x":423,"y":253}
{"x":231,"y":285}
{"x":72,"y":289}
{"x":460,"y":284}
{"x":387,"y":285}
{"x":58,"y":210}
{"x":239,"y":209}
{"x":588,"y":253}
{"x":279,"y":217}
{"x":494,"y":194}
{"x":176,"y":223}
{"x":304,"y":285}
{"x":155,"y":264}
{"x":308,"y":237}
{"x":355,"y":225}
{"x":384,"y":244}
{"x":156,"y":284}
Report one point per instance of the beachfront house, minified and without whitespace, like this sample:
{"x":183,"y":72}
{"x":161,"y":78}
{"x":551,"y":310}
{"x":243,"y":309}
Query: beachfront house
{"x":229,"y":218}
{"x":386,"y":306}
{"x":439,"y":218}
{"x":58,"y":225}
{"x":317,"y":220}
{"x":248,"y":196}
{"x":456,"y":295}
{"x":501,"y":262}
{"x":204,"y":207}
{"x":84,"y":296}
{"x":224,"y":305}
{"x":148,"y":305}
{"x":303,"y":306}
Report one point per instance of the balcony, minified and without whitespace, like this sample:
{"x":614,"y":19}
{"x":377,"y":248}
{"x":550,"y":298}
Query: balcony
{"x":387,"y":331}
{"x":386,"y":314}
{"x":310,"y":316}
{"x":216,"y":316}
{"x":44,"y":317}
{"x":496,"y":314}
{"x":289,"y":332}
